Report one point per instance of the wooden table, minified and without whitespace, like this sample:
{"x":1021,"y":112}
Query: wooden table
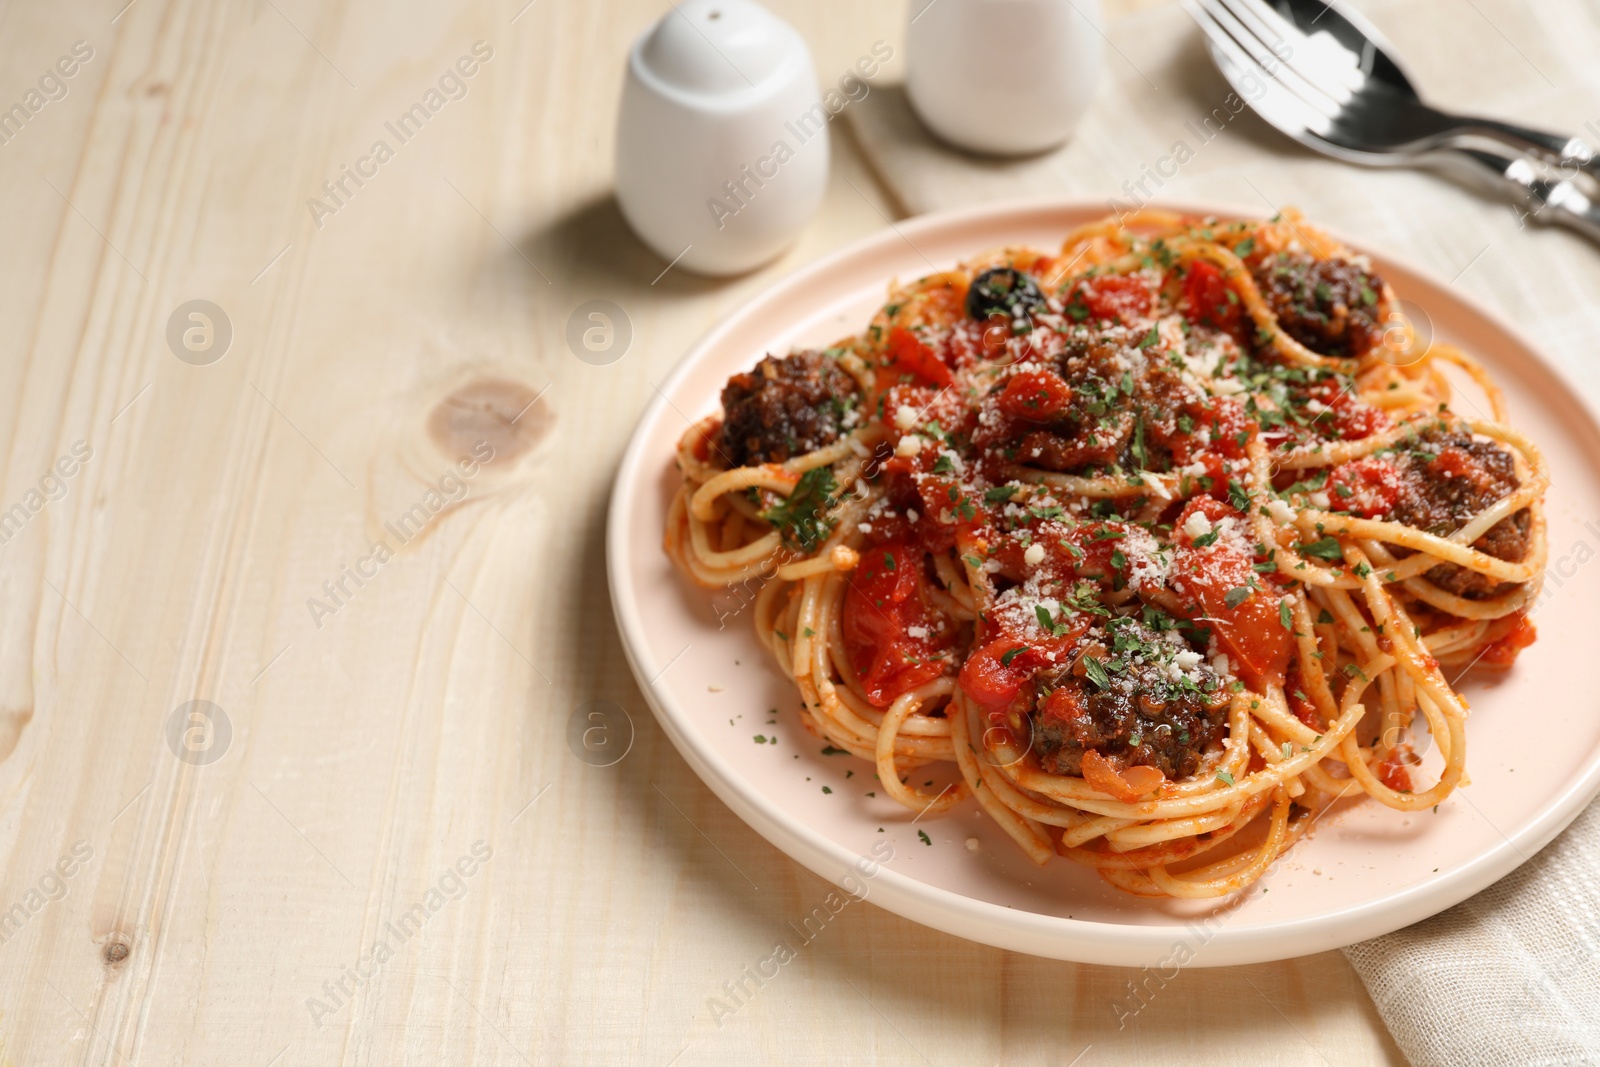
{"x":370,"y":842}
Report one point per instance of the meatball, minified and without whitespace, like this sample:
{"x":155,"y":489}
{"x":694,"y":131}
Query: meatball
{"x":1447,"y":477}
{"x":1328,"y":305}
{"x":1078,"y":444}
{"x":1140,"y":716}
{"x":785,"y":408}
{"x":1097,"y":425}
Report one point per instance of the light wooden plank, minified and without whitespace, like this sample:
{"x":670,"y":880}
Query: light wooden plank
{"x":376,"y":741}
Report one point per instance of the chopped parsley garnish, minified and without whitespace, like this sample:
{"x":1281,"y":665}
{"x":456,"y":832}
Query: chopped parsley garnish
{"x":1308,"y":485}
{"x":801,"y":518}
{"x":1327,"y":548}
{"x":1053,"y":628}
{"x":1096,"y":672}
{"x":1236,"y":596}
{"x":1012,"y":653}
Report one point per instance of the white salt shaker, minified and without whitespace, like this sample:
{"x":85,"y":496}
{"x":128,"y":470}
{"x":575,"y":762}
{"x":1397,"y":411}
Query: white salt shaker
{"x":722,"y":138}
{"x":1002,"y":77}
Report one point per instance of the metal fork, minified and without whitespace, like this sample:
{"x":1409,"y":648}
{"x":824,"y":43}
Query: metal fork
{"x":1324,"y":77}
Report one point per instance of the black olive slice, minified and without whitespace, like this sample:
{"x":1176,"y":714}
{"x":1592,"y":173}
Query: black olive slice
{"x":1003,"y":291}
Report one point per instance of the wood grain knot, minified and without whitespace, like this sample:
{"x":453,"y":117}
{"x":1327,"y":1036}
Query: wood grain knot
{"x":116,"y":950}
{"x":507,"y":415}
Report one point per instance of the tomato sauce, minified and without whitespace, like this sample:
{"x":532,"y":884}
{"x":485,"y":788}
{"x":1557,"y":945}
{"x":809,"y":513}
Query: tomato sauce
{"x":1503,"y":653}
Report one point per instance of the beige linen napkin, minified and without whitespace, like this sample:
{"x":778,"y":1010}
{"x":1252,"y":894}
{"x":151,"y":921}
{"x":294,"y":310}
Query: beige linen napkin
{"x":1513,"y":975}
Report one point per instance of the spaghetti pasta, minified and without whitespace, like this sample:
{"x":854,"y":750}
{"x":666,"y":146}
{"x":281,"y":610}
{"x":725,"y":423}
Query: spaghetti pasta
{"x":1161,"y":543}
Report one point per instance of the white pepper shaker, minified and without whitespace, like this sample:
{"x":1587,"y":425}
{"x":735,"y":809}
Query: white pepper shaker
{"x":722,"y":138}
{"x":1002,"y":77}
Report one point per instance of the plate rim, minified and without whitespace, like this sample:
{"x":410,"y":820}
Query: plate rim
{"x":1050,"y":936}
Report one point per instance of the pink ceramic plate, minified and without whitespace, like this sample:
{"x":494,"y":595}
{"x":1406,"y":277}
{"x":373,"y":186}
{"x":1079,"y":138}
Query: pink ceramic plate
{"x":1533,"y":739}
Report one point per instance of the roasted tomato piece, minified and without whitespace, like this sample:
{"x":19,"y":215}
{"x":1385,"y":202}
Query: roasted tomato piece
{"x":1035,"y":396}
{"x":907,"y":355}
{"x":891,"y":630}
{"x":996,"y":673}
{"x":1367,"y":487}
{"x":1230,"y":424}
{"x":1205,"y":431}
{"x":1213,"y":571}
{"x":1123,"y":298}
{"x":1209,"y":299}
{"x":1344,"y":415}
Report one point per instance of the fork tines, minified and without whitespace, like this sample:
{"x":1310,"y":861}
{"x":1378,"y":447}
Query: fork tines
{"x":1301,"y":82}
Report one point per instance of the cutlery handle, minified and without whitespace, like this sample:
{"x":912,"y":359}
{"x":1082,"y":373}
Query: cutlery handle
{"x":1544,"y":201}
{"x":1570,"y":154}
